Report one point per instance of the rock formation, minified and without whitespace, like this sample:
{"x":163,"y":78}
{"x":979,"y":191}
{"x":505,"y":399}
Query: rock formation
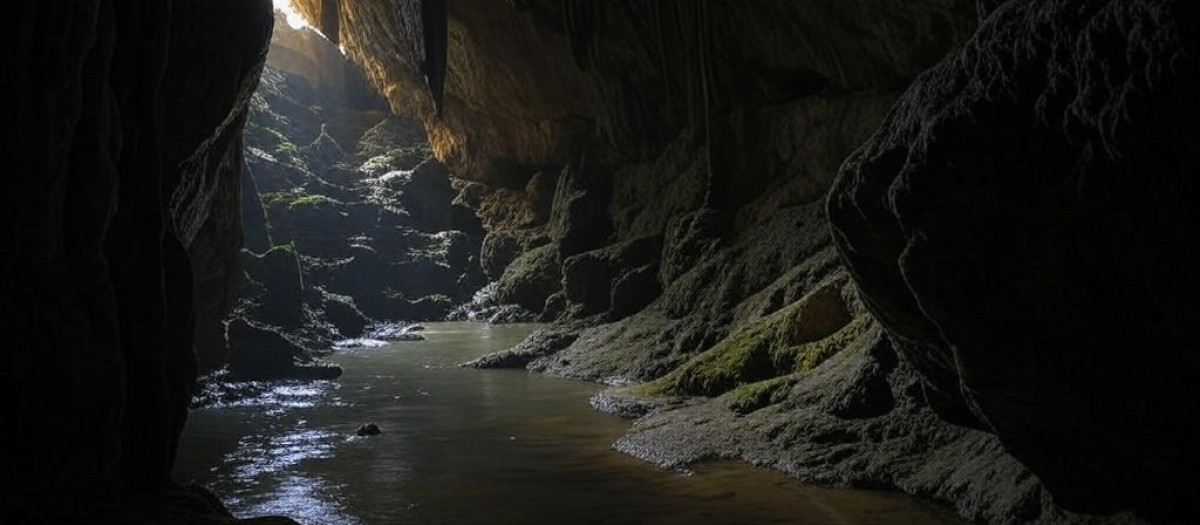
{"x":123,"y":139}
{"x":1019,"y":224}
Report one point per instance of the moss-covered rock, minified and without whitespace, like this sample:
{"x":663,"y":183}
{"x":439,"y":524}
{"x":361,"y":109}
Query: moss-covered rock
{"x":753,"y":396}
{"x":531,"y":278}
{"x":793,"y":340}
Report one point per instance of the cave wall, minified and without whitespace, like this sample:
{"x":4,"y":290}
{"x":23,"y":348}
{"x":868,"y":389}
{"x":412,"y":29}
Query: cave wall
{"x":122,"y":125}
{"x":1023,"y":223}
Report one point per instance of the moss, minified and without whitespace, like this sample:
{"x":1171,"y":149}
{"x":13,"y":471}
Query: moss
{"x":753,"y":396}
{"x":408,"y":157}
{"x":288,"y":247}
{"x":295,"y":200}
{"x":793,"y":340}
{"x":404,"y":158}
{"x":275,"y":197}
{"x":744,"y":356}
{"x":807,"y":356}
{"x":286,"y":149}
{"x":310,"y":200}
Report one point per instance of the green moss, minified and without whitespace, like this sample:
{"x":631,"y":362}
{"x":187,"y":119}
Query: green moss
{"x":753,"y":396}
{"x":310,"y":200}
{"x":275,"y":197}
{"x":408,"y":157}
{"x":404,"y":158}
{"x":286,"y":149}
{"x":295,"y":200}
{"x":807,"y":356}
{"x":791,"y":341}
{"x":744,"y":356}
{"x":288,"y":247}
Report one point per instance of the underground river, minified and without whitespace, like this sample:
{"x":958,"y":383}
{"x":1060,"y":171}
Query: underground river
{"x":465,"y":446}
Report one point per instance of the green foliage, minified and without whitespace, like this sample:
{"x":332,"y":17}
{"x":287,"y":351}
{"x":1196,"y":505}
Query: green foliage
{"x":286,"y":149}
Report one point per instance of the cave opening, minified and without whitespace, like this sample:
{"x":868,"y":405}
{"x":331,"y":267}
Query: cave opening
{"x":353,"y":232}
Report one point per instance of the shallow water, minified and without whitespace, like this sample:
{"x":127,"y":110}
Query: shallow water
{"x":465,"y":446}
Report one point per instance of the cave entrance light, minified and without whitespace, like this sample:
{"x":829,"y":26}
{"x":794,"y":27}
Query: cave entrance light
{"x":293,"y":17}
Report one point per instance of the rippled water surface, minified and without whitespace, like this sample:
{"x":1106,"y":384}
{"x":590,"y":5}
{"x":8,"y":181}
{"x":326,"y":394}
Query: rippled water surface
{"x":464,"y":446}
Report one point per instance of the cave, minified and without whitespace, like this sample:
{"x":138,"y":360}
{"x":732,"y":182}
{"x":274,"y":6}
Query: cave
{"x":939,"y":248}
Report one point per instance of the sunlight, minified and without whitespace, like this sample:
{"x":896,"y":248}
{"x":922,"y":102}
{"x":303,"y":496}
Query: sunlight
{"x":293,"y":18}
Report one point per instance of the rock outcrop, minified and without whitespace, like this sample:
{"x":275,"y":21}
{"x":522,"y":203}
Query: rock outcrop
{"x":1019,"y":224}
{"x":123,"y":125}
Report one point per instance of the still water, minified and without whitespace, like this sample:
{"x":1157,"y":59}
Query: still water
{"x":465,"y":446}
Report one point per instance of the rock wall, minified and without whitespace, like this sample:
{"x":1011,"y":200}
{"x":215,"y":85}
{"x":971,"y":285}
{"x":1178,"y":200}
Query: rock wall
{"x":122,"y":136}
{"x":1020,"y":224}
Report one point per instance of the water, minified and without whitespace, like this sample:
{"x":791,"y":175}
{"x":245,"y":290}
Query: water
{"x":465,"y":446}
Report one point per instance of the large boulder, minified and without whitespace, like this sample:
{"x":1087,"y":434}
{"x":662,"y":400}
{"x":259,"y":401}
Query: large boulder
{"x":619,"y":279}
{"x":426,"y":194}
{"x":278,"y":271}
{"x":531,"y":278}
{"x":499,"y":250}
{"x":259,"y":352}
{"x":1023,"y":224}
{"x":579,"y":219}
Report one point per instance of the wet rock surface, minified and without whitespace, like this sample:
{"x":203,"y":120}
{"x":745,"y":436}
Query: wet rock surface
{"x":1036,"y":193}
{"x":123,"y":125}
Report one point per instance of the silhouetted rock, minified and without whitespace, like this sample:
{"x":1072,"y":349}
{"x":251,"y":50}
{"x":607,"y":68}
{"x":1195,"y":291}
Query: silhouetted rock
{"x":368,"y":429}
{"x":260,"y":352}
{"x":1018,"y":225}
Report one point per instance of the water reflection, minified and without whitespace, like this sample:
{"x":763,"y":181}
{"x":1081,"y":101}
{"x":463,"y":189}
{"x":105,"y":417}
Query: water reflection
{"x":474,"y":446}
{"x":303,"y":498}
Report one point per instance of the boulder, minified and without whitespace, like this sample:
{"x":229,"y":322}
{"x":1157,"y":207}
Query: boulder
{"x":368,"y":429}
{"x":1023,"y":225}
{"x":579,"y":219}
{"x":531,"y":278}
{"x":259,"y":352}
{"x":426,"y":194}
{"x":500,"y":249}
{"x":343,"y":313}
{"x":278,"y":270}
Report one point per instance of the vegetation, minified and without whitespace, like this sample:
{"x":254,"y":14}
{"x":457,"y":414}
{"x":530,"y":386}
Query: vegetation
{"x":753,"y":396}
{"x":755,"y":360}
{"x":296,"y":200}
{"x":404,"y":158}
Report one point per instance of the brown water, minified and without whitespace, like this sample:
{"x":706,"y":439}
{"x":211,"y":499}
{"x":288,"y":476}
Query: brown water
{"x":464,"y":446}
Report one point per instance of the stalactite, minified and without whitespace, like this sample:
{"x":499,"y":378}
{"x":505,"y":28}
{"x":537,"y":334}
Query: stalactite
{"x":331,"y":11}
{"x":435,"y":33}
